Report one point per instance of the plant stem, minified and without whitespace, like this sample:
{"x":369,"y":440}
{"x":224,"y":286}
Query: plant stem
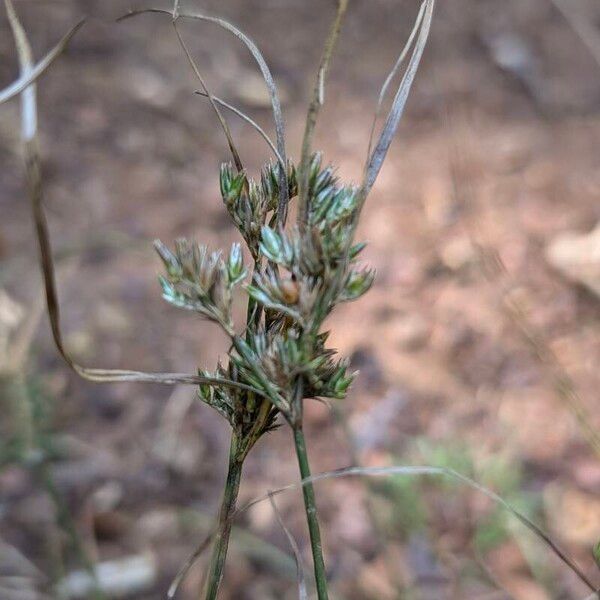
{"x":221,"y":543}
{"x":311,"y":514}
{"x":313,"y":111}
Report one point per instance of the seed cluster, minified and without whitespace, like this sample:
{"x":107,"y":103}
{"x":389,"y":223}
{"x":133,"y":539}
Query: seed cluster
{"x":301,"y":273}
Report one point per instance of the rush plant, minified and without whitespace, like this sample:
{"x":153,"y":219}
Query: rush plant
{"x":293,"y":273}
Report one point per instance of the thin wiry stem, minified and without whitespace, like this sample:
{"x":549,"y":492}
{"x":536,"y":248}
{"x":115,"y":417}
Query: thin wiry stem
{"x":410,"y":470}
{"x":26,"y":79}
{"x":310,"y":504}
{"x":377,"y":157}
{"x":303,"y":208}
{"x":302,"y":594}
{"x":392,"y":74}
{"x":313,"y":111}
{"x":583,"y":27}
{"x":269,"y":82}
{"x":242,"y":115}
{"x":236,"y":157}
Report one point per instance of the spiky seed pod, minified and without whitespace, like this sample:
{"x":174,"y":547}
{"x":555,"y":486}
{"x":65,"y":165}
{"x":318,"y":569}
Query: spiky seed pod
{"x":200,"y":280}
{"x":235,"y":265}
{"x":306,"y":273}
{"x":357,"y":284}
{"x":170,"y":261}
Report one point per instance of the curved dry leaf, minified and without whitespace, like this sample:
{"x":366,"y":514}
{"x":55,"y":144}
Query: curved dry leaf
{"x":220,"y":117}
{"x":393,"y":72}
{"x":265,"y":71}
{"x":28,"y":102}
{"x":438,"y":471}
{"x":242,"y":115}
{"x":47,"y":266}
{"x":405,"y":470}
{"x":375,"y":161}
{"x":27,"y":79}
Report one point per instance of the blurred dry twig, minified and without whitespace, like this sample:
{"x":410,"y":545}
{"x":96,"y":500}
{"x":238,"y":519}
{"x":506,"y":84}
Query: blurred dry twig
{"x":582,"y":26}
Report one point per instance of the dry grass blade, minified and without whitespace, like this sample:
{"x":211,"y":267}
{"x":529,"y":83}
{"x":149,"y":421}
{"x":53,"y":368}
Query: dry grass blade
{"x":583,"y":27}
{"x":273,"y":94}
{"x":34,"y":179}
{"x":47,"y":266}
{"x":406,"y":470}
{"x":27,"y":79}
{"x":28,"y":133}
{"x":302,"y":594}
{"x":393,"y":72}
{"x":220,"y":117}
{"x":375,"y":160}
{"x":242,"y":115}
{"x":22,"y":343}
{"x":267,"y":76}
{"x":28,"y":100}
{"x":437,"y":471}
{"x":318,"y":98}
{"x":189,"y":563}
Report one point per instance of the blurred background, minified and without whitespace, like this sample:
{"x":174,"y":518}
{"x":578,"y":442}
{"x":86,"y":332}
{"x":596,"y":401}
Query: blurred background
{"x":478,"y":347}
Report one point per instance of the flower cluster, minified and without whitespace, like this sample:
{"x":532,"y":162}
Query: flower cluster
{"x":300,"y":275}
{"x":200,"y":280}
{"x":249,"y":202}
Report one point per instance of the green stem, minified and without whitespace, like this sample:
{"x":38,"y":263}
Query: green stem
{"x":221,"y":543}
{"x":313,"y":112}
{"x":311,"y":514}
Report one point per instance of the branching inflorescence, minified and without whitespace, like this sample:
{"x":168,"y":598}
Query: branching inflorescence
{"x":297,"y":281}
{"x":299,"y":273}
